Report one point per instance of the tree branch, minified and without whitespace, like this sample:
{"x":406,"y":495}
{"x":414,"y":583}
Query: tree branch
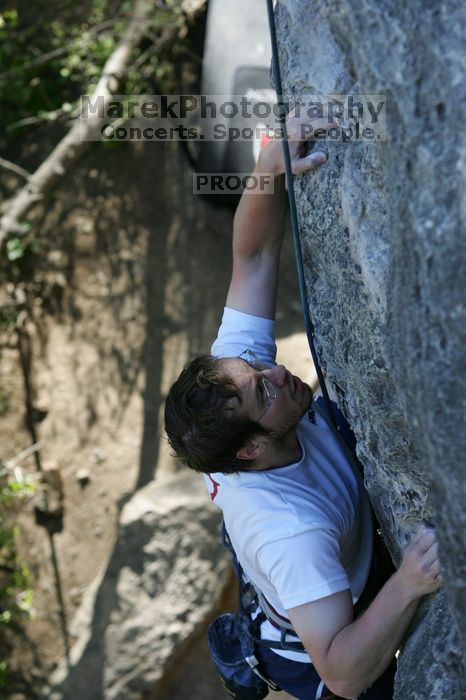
{"x":12,"y":463}
{"x":13,"y":168}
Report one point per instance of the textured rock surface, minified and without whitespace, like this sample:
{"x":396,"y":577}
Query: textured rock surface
{"x":162,"y":583}
{"x":383,"y":232}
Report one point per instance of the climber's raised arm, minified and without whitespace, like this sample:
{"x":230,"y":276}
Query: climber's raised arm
{"x":259,"y":225}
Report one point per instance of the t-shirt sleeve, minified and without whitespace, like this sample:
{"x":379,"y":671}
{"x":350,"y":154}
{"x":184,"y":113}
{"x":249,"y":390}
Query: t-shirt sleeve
{"x":304,"y":567}
{"x":240,"y":331}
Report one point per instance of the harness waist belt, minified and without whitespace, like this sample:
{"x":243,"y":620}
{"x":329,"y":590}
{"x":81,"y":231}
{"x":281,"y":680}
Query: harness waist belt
{"x":274,"y":617}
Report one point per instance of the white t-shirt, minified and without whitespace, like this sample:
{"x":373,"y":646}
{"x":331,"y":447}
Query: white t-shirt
{"x":303,"y":531}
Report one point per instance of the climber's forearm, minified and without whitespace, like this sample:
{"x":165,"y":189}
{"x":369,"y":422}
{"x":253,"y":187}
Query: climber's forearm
{"x":257,"y":238}
{"x":259,"y":226}
{"x":348,"y":655}
{"x":260,"y":217}
{"x":362,"y":650}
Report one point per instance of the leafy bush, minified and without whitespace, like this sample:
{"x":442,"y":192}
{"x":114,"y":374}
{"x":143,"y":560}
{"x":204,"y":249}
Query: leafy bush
{"x":16,"y":595}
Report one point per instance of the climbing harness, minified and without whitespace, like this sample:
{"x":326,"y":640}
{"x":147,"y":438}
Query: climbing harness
{"x":310,"y":331}
{"x":253,"y":602}
{"x":232,"y":640}
{"x":234,"y":637}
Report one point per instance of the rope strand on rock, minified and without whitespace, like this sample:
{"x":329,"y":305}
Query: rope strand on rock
{"x":310,"y":331}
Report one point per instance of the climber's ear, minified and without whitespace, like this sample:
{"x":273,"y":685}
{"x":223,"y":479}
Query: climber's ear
{"x":252,"y":449}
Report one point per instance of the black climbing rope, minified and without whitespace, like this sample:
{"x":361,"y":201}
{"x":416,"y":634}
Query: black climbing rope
{"x":310,"y":332}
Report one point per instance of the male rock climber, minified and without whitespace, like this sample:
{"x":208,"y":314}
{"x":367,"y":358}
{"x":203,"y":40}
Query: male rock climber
{"x":294,"y":506}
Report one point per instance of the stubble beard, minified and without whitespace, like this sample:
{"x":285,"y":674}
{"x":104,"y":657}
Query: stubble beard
{"x":293,"y":417}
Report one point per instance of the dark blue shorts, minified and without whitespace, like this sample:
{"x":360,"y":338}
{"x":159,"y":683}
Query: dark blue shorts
{"x":302,"y":680}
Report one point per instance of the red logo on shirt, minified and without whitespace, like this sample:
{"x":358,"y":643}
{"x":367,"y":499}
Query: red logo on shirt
{"x":215,"y":485}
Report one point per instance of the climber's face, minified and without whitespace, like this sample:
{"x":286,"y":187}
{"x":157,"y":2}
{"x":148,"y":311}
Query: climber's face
{"x":270,"y":396}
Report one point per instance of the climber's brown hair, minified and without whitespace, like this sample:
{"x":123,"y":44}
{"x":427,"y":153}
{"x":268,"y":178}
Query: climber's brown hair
{"x":202,"y":430}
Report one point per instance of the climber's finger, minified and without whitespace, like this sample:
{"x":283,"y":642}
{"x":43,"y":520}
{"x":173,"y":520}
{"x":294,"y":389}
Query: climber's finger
{"x":310,"y":162}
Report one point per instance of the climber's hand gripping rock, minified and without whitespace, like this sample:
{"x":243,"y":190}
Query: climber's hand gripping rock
{"x":420,"y":567}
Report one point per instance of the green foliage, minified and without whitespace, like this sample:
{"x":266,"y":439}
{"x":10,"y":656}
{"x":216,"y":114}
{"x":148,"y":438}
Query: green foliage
{"x":20,"y":248}
{"x":15,"y":249}
{"x":46,"y":64}
{"x":16,"y":594}
{"x":3,"y":674}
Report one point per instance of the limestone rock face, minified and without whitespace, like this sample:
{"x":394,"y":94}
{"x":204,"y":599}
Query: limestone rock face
{"x":160,"y":586}
{"x":383,"y":235}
